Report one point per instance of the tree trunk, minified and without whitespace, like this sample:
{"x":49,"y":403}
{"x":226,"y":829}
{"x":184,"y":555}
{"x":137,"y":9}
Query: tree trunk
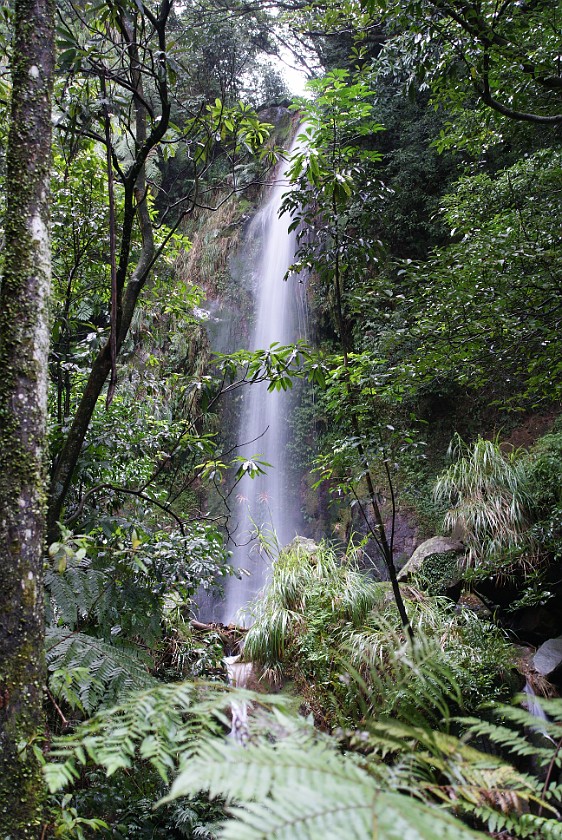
{"x":24,"y":336}
{"x":128,"y":285}
{"x":70,"y":453}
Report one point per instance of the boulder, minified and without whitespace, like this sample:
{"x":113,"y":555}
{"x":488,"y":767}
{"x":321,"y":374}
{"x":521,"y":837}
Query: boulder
{"x":301,"y":545}
{"x":434,"y":545}
{"x":472,"y":602}
{"x":548,"y":656}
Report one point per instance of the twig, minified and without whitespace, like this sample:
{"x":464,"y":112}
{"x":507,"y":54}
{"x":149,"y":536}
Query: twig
{"x":549,"y":772}
{"x":65,"y":722}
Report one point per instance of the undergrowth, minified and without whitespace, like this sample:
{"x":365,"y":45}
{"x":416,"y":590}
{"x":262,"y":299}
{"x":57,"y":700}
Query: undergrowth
{"x":336,"y":633}
{"x":404,"y":747}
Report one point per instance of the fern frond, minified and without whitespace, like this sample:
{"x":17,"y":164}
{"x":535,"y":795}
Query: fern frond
{"x":386,"y":816}
{"x":74,"y":592}
{"x":288,"y":793}
{"x":157,"y":725}
{"x":161,"y":725}
{"x":516,"y":741}
{"x":519,"y":714}
{"x":261,"y":769}
{"x":413,"y":681}
{"x":87,"y":671}
{"x":541,"y":827}
{"x":440,"y":767}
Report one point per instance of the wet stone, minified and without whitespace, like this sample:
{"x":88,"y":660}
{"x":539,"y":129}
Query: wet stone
{"x":548,"y":657}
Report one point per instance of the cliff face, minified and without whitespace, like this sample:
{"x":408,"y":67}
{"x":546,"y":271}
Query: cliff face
{"x":213,"y":261}
{"x":529,"y":605}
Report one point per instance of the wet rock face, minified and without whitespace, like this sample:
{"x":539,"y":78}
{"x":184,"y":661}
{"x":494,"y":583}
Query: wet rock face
{"x":548,"y":657}
{"x":537,"y":623}
{"x":406,"y":537}
{"x":533,"y":623}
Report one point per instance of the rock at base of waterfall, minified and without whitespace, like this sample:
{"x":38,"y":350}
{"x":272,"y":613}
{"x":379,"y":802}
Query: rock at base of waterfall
{"x":239,"y":673}
{"x":436,"y":560}
{"x":434,"y":545}
{"x":301,"y":545}
{"x":548,"y":657}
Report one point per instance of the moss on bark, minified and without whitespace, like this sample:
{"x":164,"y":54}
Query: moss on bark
{"x":24,"y":329}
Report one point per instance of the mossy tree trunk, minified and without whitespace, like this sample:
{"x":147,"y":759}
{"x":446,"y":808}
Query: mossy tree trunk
{"x":24,"y":331}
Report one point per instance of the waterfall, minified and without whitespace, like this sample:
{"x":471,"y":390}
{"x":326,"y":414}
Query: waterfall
{"x":269,"y":502}
{"x":531,"y":702}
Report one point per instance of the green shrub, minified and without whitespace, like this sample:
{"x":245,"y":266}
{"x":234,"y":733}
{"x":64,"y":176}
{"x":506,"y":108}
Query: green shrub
{"x":337,"y":634}
{"x":544,"y":477}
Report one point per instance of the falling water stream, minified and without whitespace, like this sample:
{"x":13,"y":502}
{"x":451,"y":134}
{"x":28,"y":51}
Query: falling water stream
{"x":269,"y":503}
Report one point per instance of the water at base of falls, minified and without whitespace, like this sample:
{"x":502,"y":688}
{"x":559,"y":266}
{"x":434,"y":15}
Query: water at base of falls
{"x":270,"y":503}
{"x":239,"y":674}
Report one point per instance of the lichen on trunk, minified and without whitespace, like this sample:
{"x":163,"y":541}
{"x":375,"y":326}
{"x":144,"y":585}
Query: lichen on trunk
{"x":24,"y":338}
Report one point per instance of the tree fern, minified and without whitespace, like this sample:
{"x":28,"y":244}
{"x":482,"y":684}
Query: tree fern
{"x":156,"y":725}
{"x":160,"y":725}
{"x":291,"y":782}
{"x":116,"y":599}
{"x":74,"y":593}
{"x":105,"y":623}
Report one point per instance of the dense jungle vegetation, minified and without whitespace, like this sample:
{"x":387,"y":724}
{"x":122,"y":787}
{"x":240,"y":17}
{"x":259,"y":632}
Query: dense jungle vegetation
{"x":390,"y":695}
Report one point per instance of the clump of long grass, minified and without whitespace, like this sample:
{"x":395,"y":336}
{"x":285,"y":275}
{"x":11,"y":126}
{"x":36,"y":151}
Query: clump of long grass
{"x":487,"y":491}
{"x":302,"y":582}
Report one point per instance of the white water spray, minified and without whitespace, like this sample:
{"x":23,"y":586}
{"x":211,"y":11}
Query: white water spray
{"x":271,"y":502}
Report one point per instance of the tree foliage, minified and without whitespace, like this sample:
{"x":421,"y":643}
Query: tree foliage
{"x":124,"y":84}
{"x":503,"y":55}
{"x":496,"y":280}
{"x":431,"y":277}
